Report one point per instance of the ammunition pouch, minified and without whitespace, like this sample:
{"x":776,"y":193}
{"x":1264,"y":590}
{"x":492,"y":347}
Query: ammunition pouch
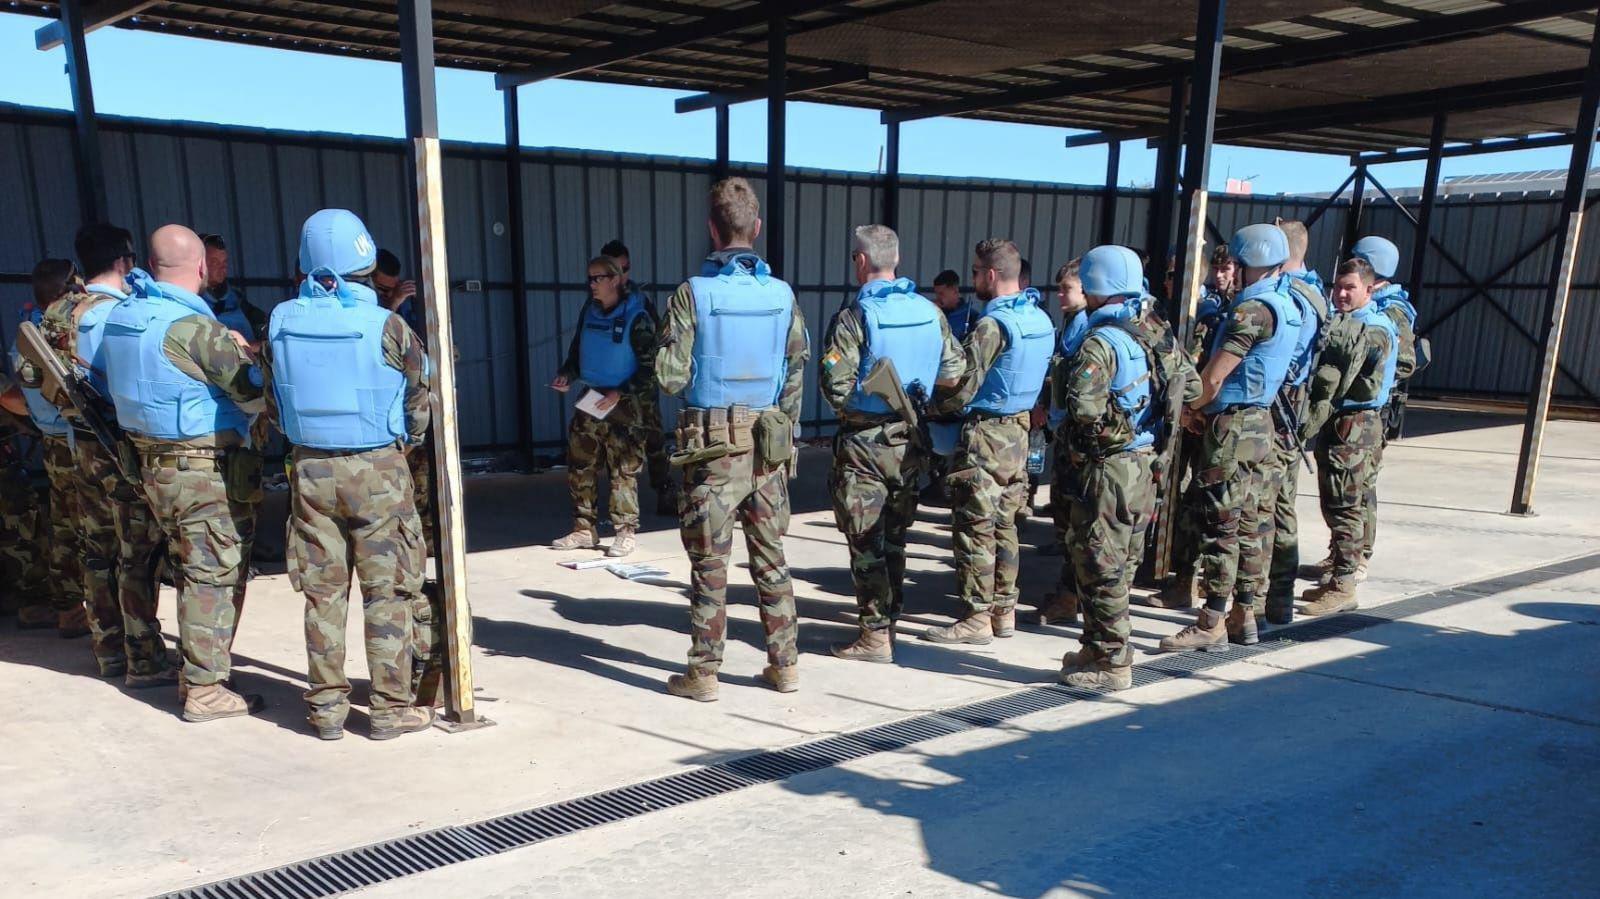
{"x":774,"y":438}
{"x":241,"y":472}
{"x":707,"y":434}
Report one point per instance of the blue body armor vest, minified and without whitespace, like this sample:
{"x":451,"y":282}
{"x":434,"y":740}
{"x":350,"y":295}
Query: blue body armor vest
{"x":46,"y":417}
{"x":1307,"y":296}
{"x":91,"y":336}
{"x":1013,"y":382}
{"x":1259,"y":375}
{"x":333,"y":387}
{"x":1395,"y":295}
{"x":901,"y":325}
{"x":605,"y":350}
{"x":1073,"y":332}
{"x":742,"y":317}
{"x":961,"y":320}
{"x":1130,"y":383}
{"x":153,"y":397}
{"x":229,"y":310}
{"x":1372,"y":316}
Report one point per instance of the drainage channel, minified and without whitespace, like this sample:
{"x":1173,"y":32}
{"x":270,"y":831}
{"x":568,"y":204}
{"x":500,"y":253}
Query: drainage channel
{"x":341,"y":872}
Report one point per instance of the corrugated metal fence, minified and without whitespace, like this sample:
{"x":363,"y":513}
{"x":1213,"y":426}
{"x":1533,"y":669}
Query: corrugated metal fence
{"x":256,"y":186}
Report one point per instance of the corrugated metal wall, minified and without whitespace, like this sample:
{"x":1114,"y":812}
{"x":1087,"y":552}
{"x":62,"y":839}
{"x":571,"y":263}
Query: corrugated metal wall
{"x":255,"y":187}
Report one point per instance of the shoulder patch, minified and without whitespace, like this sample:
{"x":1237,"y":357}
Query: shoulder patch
{"x":831,"y":359}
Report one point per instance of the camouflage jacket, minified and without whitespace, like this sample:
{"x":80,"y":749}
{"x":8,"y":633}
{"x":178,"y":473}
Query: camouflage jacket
{"x":403,"y":351}
{"x":1406,"y":357}
{"x":985,"y":342}
{"x":841,"y":364}
{"x":1350,"y":367}
{"x":1093,"y":424}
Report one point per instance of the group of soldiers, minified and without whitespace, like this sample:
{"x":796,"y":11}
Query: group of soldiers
{"x":153,"y":391}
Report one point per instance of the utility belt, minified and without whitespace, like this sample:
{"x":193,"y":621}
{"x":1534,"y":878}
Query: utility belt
{"x":239,"y":467}
{"x":707,"y":434}
{"x":986,"y":415}
{"x":312,"y":452}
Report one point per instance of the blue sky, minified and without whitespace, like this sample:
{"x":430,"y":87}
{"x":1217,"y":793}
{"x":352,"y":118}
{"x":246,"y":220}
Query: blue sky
{"x":181,"y":78}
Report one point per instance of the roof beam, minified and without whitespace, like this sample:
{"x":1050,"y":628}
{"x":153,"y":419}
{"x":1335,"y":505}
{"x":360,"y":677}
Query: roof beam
{"x":1476,"y":148}
{"x":1292,"y":54}
{"x":99,"y":15}
{"x":795,"y":84}
{"x":716,"y":23}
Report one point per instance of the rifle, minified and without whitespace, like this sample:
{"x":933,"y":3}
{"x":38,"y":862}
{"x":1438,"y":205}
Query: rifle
{"x":72,"y":393}
{"x":1287,"y":420}
{"x":883,"y":382}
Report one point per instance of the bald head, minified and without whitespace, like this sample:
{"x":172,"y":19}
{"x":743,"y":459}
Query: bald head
{"x":178,"y":257}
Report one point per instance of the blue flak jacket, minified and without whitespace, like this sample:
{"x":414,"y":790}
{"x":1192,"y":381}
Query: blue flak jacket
{"x":903,"y":326}
{"x":153,"y":397}
{"x":1373,"y":316}
{"x":1130,"y":383}
{"x":333,"y":387}
{"x":605,"y":347}
{"x":1012,"y":384}
{"x":742,"y":318}
{"x":1307,"y":295}
{"x":1258,"y":376}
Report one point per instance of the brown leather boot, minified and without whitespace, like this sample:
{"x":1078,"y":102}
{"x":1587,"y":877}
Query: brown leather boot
{"x":1241,"y":624}
{"x":1209,"y":633}
{"x":1061,"y":609}
{"x":1182,"y":593}
{"x":212,"y":701}
{"x":410,"y":720}
{"x":975,"y":629}
{"x":1328,"y":599}
{"x":73,"y":623}
{"x":785,"y":679}
{"x":1003,"y":622}
{"x":869,"y":646}
{"x":699,"y":687}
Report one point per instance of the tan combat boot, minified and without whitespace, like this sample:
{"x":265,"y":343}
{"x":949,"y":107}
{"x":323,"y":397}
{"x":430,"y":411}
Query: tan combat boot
{"x":1100,"y":673}
{"x":1003,"y":622}
{"x":73,"y":623}
{"x":1241,"y":625}
{"x":869,"y":646}
{"x":580,"y":538}
{"x":975,"y":629}
{"x":209,"y":702}
{"x":1062,"y":608}
{"x":623,"y":544}
{"x":1182,"y":593}
{"x":1081,"y":659}
{"x":784,"y":679}
{"x":1327,"y":599}
{"x":410,"y":720}
{"x":1209,"y":633}
{"x":699,"y":687}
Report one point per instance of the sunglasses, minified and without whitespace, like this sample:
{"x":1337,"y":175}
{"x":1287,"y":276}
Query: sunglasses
{"x":596,"y":279}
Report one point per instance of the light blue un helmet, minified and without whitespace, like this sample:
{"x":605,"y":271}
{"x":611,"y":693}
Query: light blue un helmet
{"x":1380,"y":253}
{"x":335,"y":240}
{"x":1111,"y":271}
{"x":1259,"y":246}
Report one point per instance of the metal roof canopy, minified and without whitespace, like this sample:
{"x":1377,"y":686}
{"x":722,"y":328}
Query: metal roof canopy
{"x":1099,"y":65}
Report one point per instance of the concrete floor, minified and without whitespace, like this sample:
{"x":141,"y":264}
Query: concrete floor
{"x":1450,"y":753}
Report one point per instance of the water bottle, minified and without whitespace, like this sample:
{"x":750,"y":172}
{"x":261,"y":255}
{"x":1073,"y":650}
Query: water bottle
{"x":1036,"y":452}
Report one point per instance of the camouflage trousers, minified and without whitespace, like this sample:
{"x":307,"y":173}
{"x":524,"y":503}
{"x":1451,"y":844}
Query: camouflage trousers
{"x":988,"y":485}
{"x":593,"y":444}
{"x":1110,"y":513}
{"x":355,"y":513}
{"x":419,"y":461}
{"x":210,"y":535}
{"x":658,"y":462}
{"x":1347,"y":461}
{"x":1369,"y":522}
{"x":873,"y":483}
{"x":1227,"y":489}
{"x":1283,"y":490}
{"x":123,"y":550}
{"x":66,"y":549}
{"x":24,"y":535}
{"x":716,"y":493}
{"x":1187,"y":527}
{"x":1062,"y":477}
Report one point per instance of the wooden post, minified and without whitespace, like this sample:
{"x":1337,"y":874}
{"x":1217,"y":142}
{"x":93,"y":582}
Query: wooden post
{"x":1194,"y":270}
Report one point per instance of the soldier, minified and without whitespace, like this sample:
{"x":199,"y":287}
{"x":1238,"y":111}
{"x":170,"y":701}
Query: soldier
{"x":1008,"y":356}
{"x":658,"y":464}
{"x":734,"y":345}
{"x":960,"y":315}
{"x":399,"y":296}
{"x":53,"y":281}
{"x":121,"y":540}
{"x":24,"y":575}
{"x":184,"y":389}
{"x":1060,"y":605}
{"x":1250,"y":355}
{"x":1283,"y":473}
{"x":227,"y":302}
{"x":352,"y":494}
{"x":1392,"y":300}
{"x":877,"y":455}
{"x":1353,"y":380}
{"x":1116,"y":400}
{"x":612,"y":355}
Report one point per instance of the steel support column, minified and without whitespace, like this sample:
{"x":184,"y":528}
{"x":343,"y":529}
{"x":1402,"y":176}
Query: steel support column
{"x":1164,"y":196}
{"x":1430,"y":195}
{"x":422,"y":132}
{"x":1108,"y":194}
{"x":1569,"y":230}
{"x":92,"y":203}
{"x":719,"y":169}
{"x":777,"y":94}
{"x":519,"y":271}
{"x":891,"y":176}
{"x":1352,"y":219}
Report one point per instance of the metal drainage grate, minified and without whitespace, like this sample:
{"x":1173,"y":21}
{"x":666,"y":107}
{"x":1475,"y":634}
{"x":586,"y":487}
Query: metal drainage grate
{"x":341,"y":872}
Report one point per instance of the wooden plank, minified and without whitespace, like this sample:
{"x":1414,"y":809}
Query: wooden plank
{"x":1194,"y":269}
{"x":1522,"y":498}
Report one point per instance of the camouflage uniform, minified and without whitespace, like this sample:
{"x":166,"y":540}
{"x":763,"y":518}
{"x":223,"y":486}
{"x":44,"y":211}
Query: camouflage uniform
{"x":355,"y":512}
{"x":1188,"y":526}
{"x":736,"y":486}
{"x":1111,"y":490}
{"x":210,"y":528}
{"x":878,"y":461}
{"x":1231,"y":478}
{"x":1351,"y":368}
{"x":66,"y":549}
{"x":1405,"y":365}
{"x":24,"y":583}
{"x":618,"y":441}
